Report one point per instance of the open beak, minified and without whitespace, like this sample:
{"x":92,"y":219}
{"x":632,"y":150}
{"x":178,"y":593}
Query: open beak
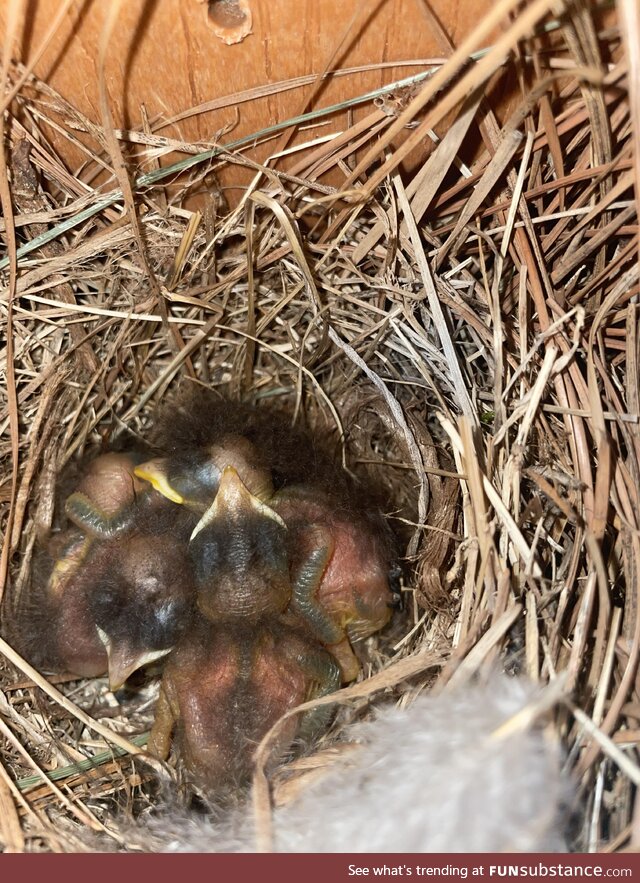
{"x":233,"y":503}
{"x":154,"y":471}
{"x":124,"y":660}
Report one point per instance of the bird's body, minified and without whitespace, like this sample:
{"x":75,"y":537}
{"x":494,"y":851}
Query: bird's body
{"x":190,"y":426}
{"x":339,"y":571}
{"x":54,"y":628}
{"x":105,"y":599}
{"x":244,"y":663}
{"x":239,"y":556}
{"x":240,"y":552}
{"x":140,"y":595}
{"x":225,"y":686}
{"x":337,"y":549}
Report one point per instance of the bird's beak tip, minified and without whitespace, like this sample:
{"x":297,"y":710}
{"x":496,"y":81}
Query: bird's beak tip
{"x":154,"y":471}
{"x":121,"y":669}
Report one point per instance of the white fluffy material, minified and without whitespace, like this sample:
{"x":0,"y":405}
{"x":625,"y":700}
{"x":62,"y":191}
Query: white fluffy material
{"x":431,"y":778}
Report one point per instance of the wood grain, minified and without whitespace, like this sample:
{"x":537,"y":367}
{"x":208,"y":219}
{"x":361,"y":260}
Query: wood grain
{"x":163,"y":54}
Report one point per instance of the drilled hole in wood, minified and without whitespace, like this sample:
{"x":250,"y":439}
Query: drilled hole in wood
{"x":230,"y":19}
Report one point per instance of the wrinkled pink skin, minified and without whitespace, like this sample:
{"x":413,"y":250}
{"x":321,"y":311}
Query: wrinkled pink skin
{"x":109,"y":482}
{"x":109,"y":497}
{"x":226,"y":686}
{"x":352,"y":587}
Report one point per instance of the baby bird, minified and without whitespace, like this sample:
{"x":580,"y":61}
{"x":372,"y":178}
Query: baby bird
{"x":192,"y":476}
{"x":239,"y":555}
{"x":114,"y":607}
{"x":338,"y":556}
{"x":118,"y":593}
{"x":339,"y":561}
{"x":226,"y":685}
{"x":198,"y":419}
{"x":243,"y":664}
{"x":53,"y":628}
{"x":139,"y":594}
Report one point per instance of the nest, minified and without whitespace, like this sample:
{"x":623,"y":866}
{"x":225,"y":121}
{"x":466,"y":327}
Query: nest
{"x":465,"y":334}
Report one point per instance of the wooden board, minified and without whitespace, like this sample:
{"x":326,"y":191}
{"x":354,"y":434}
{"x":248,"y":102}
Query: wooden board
{"x":165,"y":56}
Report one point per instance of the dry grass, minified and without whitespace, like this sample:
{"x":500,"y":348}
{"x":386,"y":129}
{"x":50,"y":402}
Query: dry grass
{"x":474,"y":328}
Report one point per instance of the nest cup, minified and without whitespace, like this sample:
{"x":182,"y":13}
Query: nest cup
{"x":444,"y":291}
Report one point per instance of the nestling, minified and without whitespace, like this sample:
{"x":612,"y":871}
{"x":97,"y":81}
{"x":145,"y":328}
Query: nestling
{"x":243,"y":663}
{"x":239,"y":555}
{"x":338,"y":556}
{"x":140,"y":594}
{"x":225,"y":686}
{"x":192,"y":476}
{"x":339,"y":566}
{"x":117,"y":594}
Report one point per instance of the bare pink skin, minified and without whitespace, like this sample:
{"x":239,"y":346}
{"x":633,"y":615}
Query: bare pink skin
{"x":223,"y":689}
{"x":353,"y":588}
{"x":109,"y":482}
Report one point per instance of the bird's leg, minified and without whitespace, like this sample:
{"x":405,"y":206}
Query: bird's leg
{"x":90,"y":518}
{"x":326,"y":675}
{"x":159,"y":742}
{"x":306,"y":581}
{"x":67,"y":565}
{"x":347,"y":659}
